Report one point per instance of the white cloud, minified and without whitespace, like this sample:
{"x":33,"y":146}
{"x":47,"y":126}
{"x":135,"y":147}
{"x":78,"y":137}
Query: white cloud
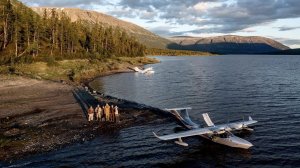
{"x":204,"y":6}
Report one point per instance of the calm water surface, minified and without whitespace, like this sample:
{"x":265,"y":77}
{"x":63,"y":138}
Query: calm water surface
{"x":228,"y":87}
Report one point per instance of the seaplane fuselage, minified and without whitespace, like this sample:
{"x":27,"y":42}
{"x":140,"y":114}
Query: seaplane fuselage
{"x":228,"y":139}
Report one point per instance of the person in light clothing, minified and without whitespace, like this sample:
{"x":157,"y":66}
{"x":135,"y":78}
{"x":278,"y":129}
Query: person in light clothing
{"x":98,"y":112}
{"x":91,"y":114}
{"x":107,"y":112}
{"x":117,"y":118}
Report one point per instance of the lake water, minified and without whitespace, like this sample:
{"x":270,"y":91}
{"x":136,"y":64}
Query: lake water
{"x":227,"y":87}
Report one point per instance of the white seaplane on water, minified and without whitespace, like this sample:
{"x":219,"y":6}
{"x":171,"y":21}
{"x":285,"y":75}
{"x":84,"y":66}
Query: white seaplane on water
{"x":144,"y":71}
{"x":217,"y":133}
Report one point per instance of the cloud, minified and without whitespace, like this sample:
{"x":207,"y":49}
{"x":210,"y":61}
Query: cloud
{"x":151,"y":21}
{"x":291,"y":41}
{"x":219,"y":16}
{"x":248,"y":30}
{"x":223,"y":16}
{"x":86,"y":4}
{"x":165,"y":31}
{"x":205,"y":6}
{"x":287,"y":28}
{"x":287,"y":41}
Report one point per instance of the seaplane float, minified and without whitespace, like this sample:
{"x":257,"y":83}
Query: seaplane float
{"x":144,"y":71}
{"x":221,"y":134}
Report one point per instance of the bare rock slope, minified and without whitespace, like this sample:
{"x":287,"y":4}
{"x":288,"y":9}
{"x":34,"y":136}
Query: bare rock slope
{"x":146,"y":37}
{"x":230,"y":44}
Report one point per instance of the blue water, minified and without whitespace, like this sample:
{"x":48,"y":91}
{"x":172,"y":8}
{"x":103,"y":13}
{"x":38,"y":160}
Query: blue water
{"x":229,"y":88}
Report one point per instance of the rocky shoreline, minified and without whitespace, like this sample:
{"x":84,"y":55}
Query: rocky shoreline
{"x":39,"y":116}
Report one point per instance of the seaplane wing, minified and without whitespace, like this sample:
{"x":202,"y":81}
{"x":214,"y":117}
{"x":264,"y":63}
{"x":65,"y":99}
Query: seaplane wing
{"x":147,"y":70}
{"x":193,"y":132}
{"x":249,"y":122}
{"x":241,"y":125}
{"x":229,"y":126}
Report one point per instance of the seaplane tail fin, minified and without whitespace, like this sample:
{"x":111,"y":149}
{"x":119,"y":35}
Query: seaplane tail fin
{"x":183,"y":117}
{"x":207,"y":120}
{"x":250,"y":118}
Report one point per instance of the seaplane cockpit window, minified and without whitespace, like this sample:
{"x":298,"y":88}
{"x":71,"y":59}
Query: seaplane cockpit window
{"x":224,"y":135}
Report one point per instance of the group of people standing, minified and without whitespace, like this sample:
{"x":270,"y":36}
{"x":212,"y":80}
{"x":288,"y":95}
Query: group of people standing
{"x":104,"y":113}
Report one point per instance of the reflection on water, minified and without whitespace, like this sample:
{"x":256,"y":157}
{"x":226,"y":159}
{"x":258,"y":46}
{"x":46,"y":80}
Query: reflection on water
{"x":229,"y":88}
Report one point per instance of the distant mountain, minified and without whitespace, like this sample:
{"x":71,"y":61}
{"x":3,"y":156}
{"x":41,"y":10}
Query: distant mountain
{"x":286,"y":52}
{"x":229,"y":44}
{"x":144,"y":36}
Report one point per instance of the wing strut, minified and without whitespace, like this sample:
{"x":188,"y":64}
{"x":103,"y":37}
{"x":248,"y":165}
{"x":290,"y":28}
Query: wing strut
{"x":207,"y":120}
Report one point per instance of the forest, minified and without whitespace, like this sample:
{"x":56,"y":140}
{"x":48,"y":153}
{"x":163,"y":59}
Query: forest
{"x":26,"y":37}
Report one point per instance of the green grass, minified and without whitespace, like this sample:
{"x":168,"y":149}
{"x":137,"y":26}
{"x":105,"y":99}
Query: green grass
{"x":77,"y":70}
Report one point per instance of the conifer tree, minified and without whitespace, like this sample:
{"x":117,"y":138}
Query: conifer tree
{"x":24,"y":35}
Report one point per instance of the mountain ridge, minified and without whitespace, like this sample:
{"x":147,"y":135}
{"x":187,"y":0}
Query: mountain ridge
{"x":294,"y":51}
{"x":229,"y":44}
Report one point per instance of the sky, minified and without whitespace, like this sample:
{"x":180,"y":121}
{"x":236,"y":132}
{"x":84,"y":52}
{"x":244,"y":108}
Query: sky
{"x":276,"y":19}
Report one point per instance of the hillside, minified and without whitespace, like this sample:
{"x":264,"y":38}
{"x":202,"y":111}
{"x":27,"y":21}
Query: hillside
{"x":229,"y":44}
{"x":287,"y":52}
{"x":144,"y":36}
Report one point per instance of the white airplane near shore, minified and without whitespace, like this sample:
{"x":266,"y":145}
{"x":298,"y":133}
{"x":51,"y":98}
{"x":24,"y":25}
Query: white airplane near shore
{"x":217,"y":133}
{"x":144,"y":71}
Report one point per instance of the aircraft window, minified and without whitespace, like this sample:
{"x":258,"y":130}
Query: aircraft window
{"x":224,"y":135}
